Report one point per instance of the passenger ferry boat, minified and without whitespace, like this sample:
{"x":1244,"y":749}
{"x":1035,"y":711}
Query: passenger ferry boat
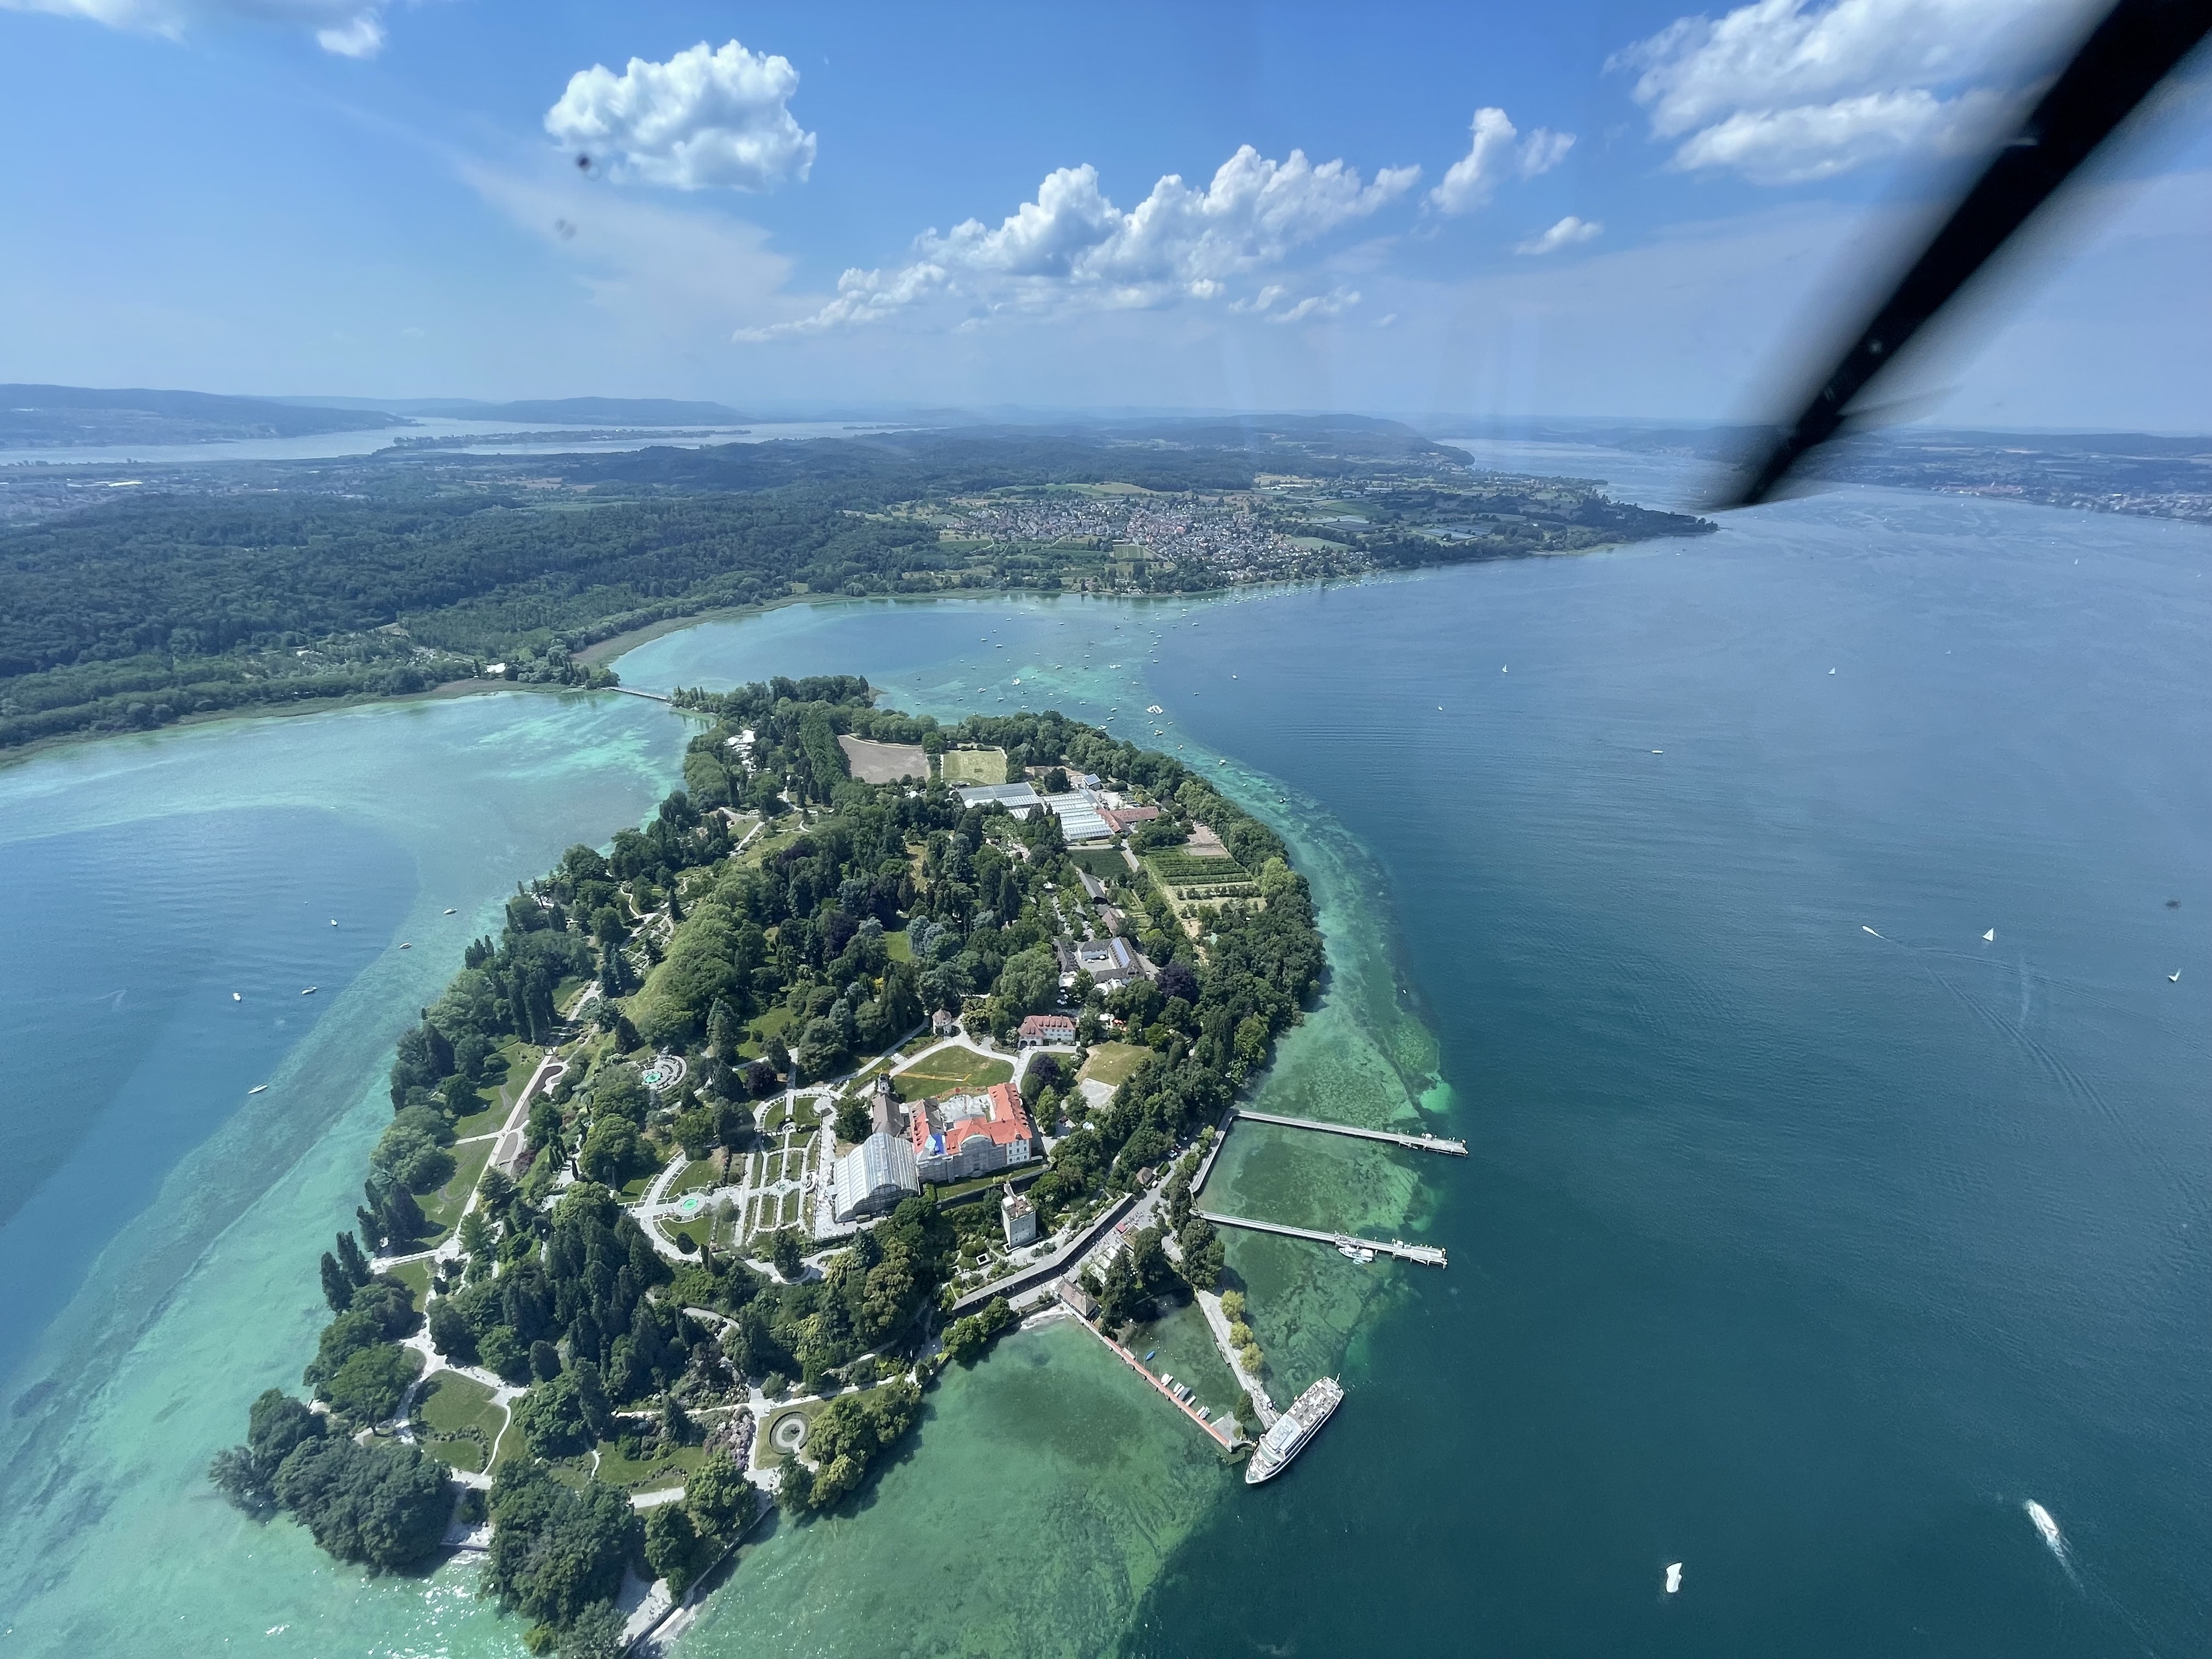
{"x":1292,"y":1430}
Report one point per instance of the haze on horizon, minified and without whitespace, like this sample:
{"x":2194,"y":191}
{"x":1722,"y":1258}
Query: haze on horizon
{"x":1611,"y":208}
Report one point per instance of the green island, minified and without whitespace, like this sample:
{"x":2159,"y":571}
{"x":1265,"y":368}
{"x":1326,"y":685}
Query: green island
{"x":190,"y":592}
{"x":701,"y":1171}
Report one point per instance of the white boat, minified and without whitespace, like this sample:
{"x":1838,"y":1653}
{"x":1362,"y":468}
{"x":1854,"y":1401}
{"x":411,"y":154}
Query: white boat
{"x":311,"y":990}
{"x":1349,"y":1252}
{"x":1292,"y":1430}
{"x":405,"y":945}
{"x":2174,"y":978}
{"x":449,"y":913}
{"x":1366,"y":1256}
{"x":257,"y":1088}
{"x":234,"y":997}
{"x":1989,"y":937}
{"x":1674,"y":1568}
{"x":2046,"y":1525}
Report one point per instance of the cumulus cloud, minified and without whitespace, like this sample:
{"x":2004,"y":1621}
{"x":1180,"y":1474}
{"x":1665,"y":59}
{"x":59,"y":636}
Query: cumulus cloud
{"x":1071,"y":248}
{"x":709,"y":116}
{"x":351,"y":28}
{"x":1495,"y":153}
{"x":1781,"y":91}
{"x":1567,"y":232}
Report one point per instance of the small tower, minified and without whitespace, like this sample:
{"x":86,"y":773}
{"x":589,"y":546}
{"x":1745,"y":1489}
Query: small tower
{"x":1019,"y":1219}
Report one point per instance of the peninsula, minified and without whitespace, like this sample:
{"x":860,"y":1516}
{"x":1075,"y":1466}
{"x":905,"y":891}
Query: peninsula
{"x":134,"y":596}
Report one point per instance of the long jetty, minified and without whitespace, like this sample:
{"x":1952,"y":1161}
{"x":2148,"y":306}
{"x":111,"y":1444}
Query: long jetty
{"x":1428,"y":1255}
{"x":1415,"y":1143}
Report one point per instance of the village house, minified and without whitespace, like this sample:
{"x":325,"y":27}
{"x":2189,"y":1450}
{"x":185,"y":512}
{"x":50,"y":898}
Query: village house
{"x":1041,"y":1028}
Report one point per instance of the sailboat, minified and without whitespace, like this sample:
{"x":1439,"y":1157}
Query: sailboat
{"x":1989,"y":937}
{"x":2174,"y":978}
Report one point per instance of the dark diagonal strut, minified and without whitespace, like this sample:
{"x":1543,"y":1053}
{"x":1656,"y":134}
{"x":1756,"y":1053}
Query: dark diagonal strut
{"x":2135,"y":46}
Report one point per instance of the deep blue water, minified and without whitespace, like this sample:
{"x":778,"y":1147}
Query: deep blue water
{"x":1800,"y":1255}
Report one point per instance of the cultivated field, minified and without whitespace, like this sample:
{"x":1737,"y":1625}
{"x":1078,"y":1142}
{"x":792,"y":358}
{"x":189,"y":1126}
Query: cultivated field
{"x":885,"y":762}
{"x":973,"y":766}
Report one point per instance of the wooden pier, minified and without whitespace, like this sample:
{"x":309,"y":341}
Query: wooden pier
{"x":1414,"y":1143}
{"x":1428,"y":1255}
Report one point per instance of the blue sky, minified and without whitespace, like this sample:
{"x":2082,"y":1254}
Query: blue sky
{"x":1607,"y":208}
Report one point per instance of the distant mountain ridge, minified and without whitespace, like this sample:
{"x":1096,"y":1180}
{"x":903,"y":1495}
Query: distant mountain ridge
{"x":64,"y":416}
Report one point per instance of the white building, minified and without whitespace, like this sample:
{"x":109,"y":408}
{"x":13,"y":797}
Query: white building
{"x":1019,"y":1216}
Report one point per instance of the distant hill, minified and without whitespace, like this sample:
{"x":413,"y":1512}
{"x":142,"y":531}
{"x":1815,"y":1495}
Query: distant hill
{"x":62,"y":416}
{"x":553,"y":412}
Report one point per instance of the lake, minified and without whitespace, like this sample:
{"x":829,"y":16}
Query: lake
{"x":1801,"y":1254}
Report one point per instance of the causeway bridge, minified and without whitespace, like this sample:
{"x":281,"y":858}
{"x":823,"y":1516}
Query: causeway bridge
{"x":1415,"y":1143}
{"x":1428,"y":1255}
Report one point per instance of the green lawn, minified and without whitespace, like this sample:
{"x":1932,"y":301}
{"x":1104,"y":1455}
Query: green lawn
{"x":900,"y":946}
{"x":457,"y":1421}
{"x":975,"y":766}
{"x":443,"y":1208}
{"x":487,"y":1121}
{"x":1100,"y":861}
{"x":951,"y":1071}
{"x":699,"y":1173}
{"x":415,"y":1276}
{"x":666,"y":1470}
{"x":695,"y":1229}
{"x":1112,"y":1062}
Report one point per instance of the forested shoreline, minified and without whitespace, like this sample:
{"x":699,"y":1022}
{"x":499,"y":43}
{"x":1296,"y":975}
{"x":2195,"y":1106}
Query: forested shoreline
{"x":384,"y":577}
{"x":761,"y":967}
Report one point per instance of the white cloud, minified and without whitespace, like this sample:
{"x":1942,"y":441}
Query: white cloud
{"x":1568,"y":233}
{"x":1335,"y":303}
{"x":1494,"y":154}
{"x":1265,"y":297}
{"x":351,"y":28}
{"x":1072,"y":247}
{"x":707,"y":117}
{"x":1781,"y":92}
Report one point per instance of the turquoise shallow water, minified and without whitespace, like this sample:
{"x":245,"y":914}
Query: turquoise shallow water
{"x":1798,"y":1254}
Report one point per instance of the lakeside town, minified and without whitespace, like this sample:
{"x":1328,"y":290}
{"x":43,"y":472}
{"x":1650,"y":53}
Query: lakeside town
{"x":879,"y":1040}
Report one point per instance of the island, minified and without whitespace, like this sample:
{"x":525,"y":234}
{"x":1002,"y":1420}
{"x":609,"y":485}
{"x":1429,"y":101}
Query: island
{"x":743,"y":1127}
